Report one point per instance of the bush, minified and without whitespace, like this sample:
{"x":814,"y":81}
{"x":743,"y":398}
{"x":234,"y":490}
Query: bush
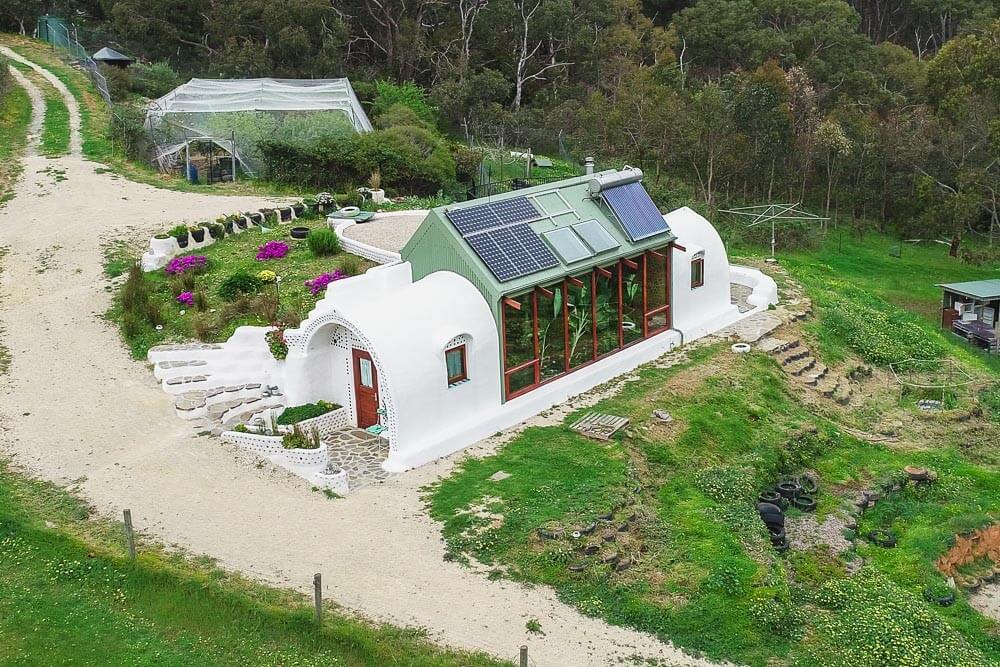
{"x":155,"y":80}
{"x":410,"y":95}
{"x":299,"y":413}
{"x":240,"y":284}
{"x":323,"y":242}
{"x":120,"y":81}
{"x":127,"y":132}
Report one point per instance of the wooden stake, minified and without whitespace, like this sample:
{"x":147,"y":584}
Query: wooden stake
{"x":524,"y":656}
{"x":318,"y":595}
{"x":129,"y":534}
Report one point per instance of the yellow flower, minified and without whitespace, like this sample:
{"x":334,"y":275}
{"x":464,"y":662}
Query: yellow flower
{"x":267,"y":276}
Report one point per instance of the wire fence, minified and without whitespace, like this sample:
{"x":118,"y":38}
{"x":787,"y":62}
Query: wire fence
{"x":64,"y":37}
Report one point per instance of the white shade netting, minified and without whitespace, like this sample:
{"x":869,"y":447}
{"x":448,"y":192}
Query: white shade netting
{"x":240,"y":113}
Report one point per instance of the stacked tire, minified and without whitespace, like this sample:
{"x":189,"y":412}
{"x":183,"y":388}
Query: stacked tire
{"x":774,"y":518}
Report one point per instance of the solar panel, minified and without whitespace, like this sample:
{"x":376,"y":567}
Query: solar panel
{"x":635,"y":211}
{"x":538,"y":250}
{"x":498,"y":233}
{"x":490,"y":253}
{"x":595,"y":235}
{"x":473,"y":219}
{"x":569,"y":246}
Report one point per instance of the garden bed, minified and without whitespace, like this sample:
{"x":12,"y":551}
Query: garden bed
{"x":208,"y":299}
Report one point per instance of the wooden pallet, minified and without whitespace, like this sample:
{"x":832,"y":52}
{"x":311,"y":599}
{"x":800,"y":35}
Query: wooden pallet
{"x":599,"y":426}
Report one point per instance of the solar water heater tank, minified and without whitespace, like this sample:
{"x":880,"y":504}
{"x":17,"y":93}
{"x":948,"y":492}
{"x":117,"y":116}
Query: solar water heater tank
{"x":612,"y":178}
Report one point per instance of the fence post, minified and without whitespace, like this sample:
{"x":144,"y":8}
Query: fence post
{"x":524,"y":656}
{"x":318,"y":595}
{"x":129,"y":534}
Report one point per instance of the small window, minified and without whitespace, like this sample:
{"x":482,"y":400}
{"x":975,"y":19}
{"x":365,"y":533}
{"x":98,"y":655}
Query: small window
{"x":454,"y":359}
{"x":697,"y":272}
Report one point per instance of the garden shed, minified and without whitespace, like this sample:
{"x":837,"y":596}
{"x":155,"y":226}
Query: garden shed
{"x":239,"y":113}
{"x":109,"y":56}
{"x":972,"y":310}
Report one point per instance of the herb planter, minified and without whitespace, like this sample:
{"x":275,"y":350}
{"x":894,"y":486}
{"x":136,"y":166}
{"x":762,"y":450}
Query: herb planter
{"x":198,"y":234}
{"x":299,"y":232}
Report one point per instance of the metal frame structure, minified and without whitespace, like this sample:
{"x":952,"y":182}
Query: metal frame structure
{"x":773,"y":213}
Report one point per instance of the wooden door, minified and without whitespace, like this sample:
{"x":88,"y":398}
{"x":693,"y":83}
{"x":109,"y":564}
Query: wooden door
{"x":948,"y":317}
{"x":365,"y":388}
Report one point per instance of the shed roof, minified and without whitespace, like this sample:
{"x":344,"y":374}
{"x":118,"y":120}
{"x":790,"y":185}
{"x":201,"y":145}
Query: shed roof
{"x":107,"y":54}
{"x":563,"y":203}
{"x":976,"y":289}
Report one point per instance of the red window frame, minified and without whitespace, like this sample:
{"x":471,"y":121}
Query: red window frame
{"x":700,"y":263}
{"x":453,"y":380}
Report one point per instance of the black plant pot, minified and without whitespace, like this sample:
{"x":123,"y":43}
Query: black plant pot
{"x":299,"y":209}
{"x":182,"y":241}
{"x":198,"y":235}
{"x":229,"y":226}
{"x":299,"y":232}
{"x":241,"y":223}
{"x":284,"y":214}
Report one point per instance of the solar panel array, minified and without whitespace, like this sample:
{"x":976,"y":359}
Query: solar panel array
{"x":498,"y":232}
{"x":635,"y":211}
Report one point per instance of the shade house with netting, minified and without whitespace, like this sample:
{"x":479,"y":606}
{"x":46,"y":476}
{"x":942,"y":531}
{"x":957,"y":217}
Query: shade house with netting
{"x":231,"y":117}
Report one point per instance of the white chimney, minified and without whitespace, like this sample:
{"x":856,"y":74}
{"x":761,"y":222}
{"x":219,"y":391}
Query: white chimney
{"x":588,"y":165}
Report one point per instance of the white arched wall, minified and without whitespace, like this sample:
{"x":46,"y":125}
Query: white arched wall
{"x":700,"y":310}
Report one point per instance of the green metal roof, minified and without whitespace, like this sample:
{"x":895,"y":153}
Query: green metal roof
{"x":977,"y":289}
{"x":437,"y":245}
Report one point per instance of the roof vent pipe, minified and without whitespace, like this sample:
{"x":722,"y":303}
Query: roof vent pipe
{"x":609,"y":179}
{"x":588,"y":165}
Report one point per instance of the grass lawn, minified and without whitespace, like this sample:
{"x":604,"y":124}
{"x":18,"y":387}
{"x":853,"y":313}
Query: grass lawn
{"x":71,"y":596}
{"x":289,"y":303}
{"x":706,"y":576}
{"x":15,"y":116}
{"x":55,"y":125}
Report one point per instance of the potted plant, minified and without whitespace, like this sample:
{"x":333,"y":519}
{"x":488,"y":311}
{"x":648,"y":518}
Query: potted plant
{"x":325,"y":202}
{"x":180,"y":234}
{"x":163,"y":244}
{"x":241,"y":221}
{"x":197,"y":233}
{"x":216,"y":230}
{"x":299,"y":208}
{"x":375,"y":183}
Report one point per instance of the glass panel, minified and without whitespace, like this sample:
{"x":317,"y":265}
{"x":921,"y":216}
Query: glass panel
{"x":456,"y":369}
{"x":595,"y":235}
{"x":607,"y":311}
{"x":656,"y":290}
{"x":551,"y":332}
{"x":632,"y":313}
{"x":521,"y":379}
{"x":567,"y":245}
{"x":697,"y":272}
{"x":365,"y":366}
{"x":519,"y":343}
{"x":580,"y":320}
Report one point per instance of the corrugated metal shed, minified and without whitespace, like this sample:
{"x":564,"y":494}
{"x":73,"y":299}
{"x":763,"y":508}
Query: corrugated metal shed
{"x":976,"y":289}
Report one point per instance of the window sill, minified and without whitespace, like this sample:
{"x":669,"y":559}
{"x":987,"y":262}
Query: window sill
{"x":451,"y":385}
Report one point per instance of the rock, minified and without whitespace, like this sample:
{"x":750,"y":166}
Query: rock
{"x":499,"y":476}
{"x":662,"y":416}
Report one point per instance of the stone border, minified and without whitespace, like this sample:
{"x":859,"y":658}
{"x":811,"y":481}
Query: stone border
{"x":269,"y":446}
{"x":355,"y":247}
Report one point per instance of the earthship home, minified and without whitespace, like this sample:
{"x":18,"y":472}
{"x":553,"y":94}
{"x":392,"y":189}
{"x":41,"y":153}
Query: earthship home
{"x":498,"y":309}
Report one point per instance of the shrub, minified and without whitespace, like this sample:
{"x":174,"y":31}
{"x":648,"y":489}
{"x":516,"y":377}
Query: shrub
{"x":299,"y":413}
{"x":132,"y":324}
{"x":204,"y":328}
{"x":127,"y":132}
{"x":323,"y":242}
{"x":201,"y":300}
{"x":154,"y":314}
{"x":240,"y":283}
{"x":410,"y":95}
{"x":350,"y":264}
{"x":135,"y":291}
{"x":299,"y":440}
{"x":120,"y":81}
{"x":154,"y":80}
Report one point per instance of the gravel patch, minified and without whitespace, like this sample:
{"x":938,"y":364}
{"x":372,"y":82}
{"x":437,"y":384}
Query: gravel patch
{"x":805,"y":532}
{"x":388,"y":231}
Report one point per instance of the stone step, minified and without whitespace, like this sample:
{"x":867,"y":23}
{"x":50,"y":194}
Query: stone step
{"x":772,"y":345}
{"x":827,"y":385}
{"x":183,"y":383}
{"x":791,"y":355}
{"x":801,"y":365}
{"x":815,"y":374}
{"x":842,"y":394}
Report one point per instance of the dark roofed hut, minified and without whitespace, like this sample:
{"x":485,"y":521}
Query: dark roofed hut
{"x":109,"y":56}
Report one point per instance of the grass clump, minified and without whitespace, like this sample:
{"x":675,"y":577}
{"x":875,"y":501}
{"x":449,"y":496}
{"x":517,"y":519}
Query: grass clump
{"x":298,"y":413}
{"x":323,"y":242}
{"x":239,"y":284}
{"x":55,"y":129}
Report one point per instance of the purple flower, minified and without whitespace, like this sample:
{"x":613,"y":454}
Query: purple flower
{"x":320,"y":282}
{"x":187,"y":263}
{"x":185,"y":299}
{"x":272,"y":250}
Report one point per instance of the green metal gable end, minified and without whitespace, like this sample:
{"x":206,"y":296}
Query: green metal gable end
{"x":976,"y":289}
{"x":437,"y":245}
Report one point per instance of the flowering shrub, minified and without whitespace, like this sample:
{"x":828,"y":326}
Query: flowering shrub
{"x":267,"y":276}
{"x":193,"y":263}
{"x":272,"y":250}
{"x":325,"y":198}
{"x":877,"y":331}
{"x":276,"y":342}
{"x":320,"y":282}
{"x":185,"y":299}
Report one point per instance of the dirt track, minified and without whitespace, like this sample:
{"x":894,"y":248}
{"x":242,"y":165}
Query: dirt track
{"x":77,"y":410}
